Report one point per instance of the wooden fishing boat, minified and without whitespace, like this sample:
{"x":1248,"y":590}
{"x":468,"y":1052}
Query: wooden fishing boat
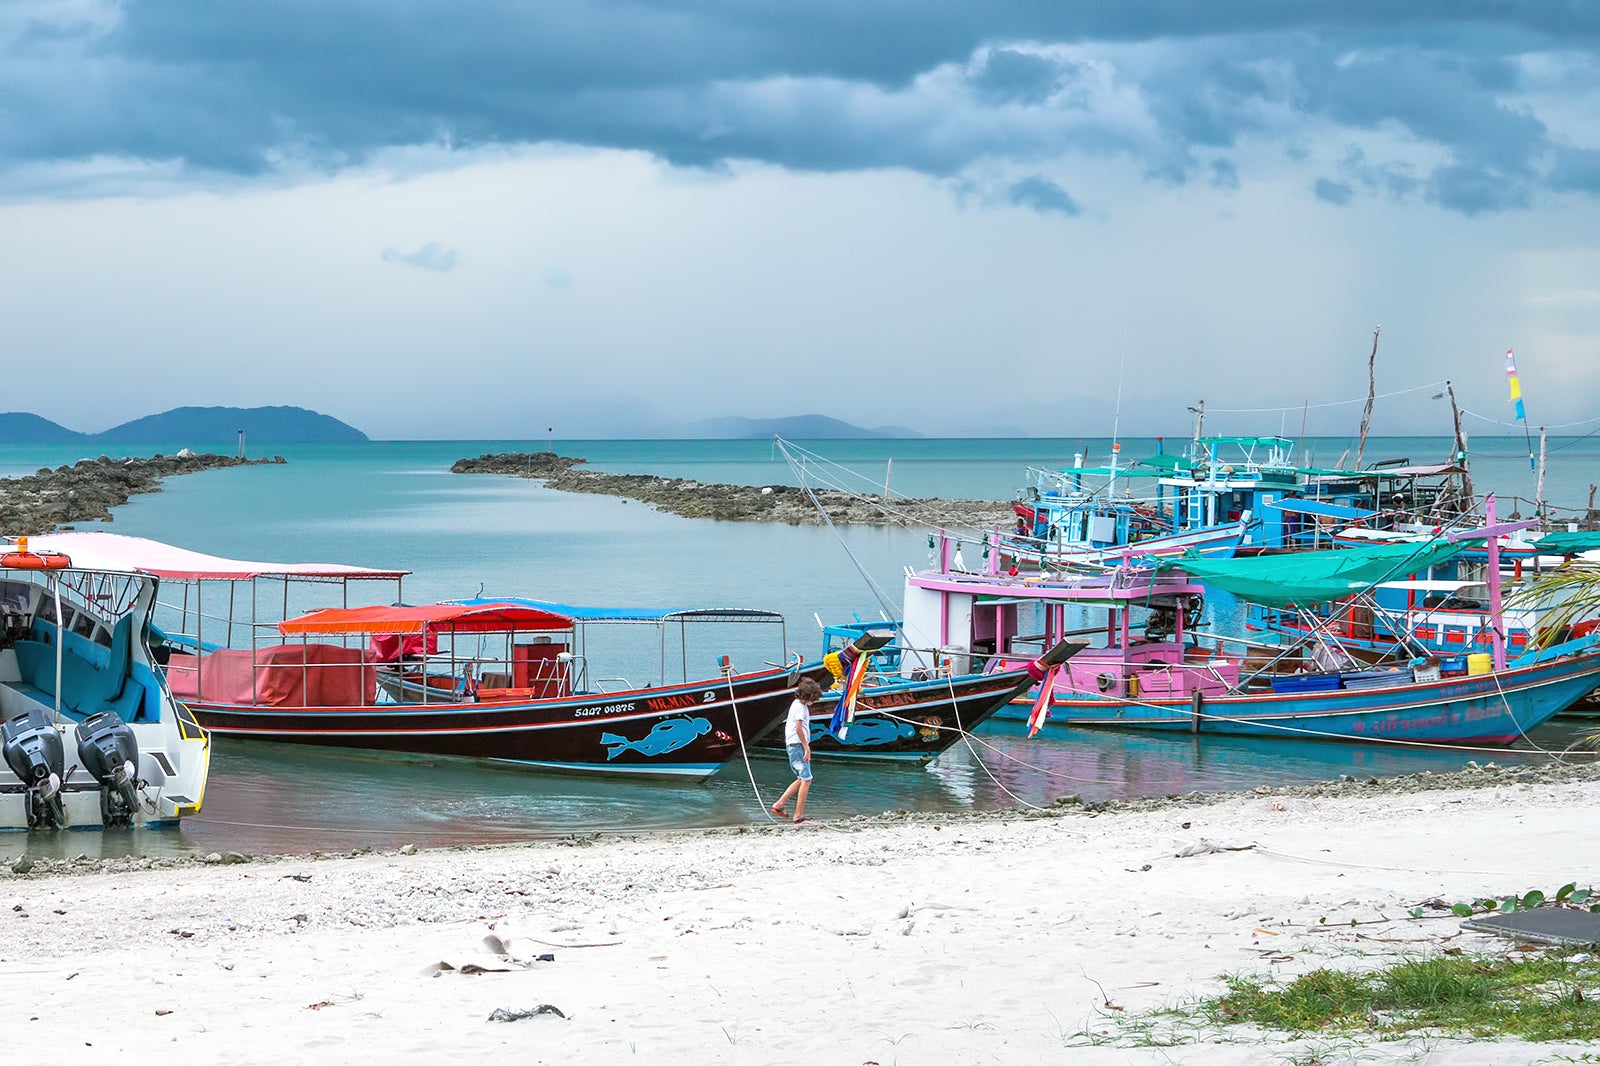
{"x":325,"y":690}
{"x":911,"y":720}
{"x":1156,"y":674}
{"x":892,"y":719}
{"x":313,"y":678}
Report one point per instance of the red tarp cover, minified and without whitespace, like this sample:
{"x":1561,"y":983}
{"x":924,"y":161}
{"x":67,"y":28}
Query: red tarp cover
{"x":483,"y":618}
{"x":285,"y":675}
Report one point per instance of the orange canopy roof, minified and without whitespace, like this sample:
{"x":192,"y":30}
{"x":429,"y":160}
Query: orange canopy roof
{"x":482,"y":618}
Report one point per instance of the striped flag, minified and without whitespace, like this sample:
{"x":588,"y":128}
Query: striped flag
{"x":845,"y":712}
{"x":1516,"y":398}
{"x":1041,"y":706}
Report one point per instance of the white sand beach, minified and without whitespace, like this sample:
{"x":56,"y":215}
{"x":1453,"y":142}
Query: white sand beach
{"x":918,"y":940}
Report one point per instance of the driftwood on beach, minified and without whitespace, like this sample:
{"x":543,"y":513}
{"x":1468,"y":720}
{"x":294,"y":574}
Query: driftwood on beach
{"x":738,"y":503}
{"x":87,"y":490}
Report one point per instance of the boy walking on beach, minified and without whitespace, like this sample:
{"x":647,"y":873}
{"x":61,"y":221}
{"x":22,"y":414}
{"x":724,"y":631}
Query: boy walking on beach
{"x":797,"y":739}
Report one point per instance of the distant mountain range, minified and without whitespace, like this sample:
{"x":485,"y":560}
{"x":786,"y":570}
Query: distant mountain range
{"x":798,"y":427}
{"x":191,"y":425}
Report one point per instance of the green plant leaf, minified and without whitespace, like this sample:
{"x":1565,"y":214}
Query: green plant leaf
{"x":1415,"y":912}
{"x":1509,"y":903}
{"x":1488,"y":904}
{"x":1461,"y":910}
{"x":1566,"y":890}
{"x":1532,"y":900}
{"x":1579,"y":897}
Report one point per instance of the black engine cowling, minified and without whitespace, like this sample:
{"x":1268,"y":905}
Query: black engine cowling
{"x":110,"y":752}
{"x":32,"y":747}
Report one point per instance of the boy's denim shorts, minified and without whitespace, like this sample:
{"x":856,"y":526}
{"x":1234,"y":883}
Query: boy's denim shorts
{"x":798,"y":760}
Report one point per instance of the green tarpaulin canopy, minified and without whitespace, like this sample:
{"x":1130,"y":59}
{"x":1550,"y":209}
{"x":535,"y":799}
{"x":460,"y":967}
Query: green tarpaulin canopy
{"x":1317,"y":576}
{"x":1568,"y":543}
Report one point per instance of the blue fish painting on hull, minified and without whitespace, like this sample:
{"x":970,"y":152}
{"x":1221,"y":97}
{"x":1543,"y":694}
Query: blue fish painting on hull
{"x":867,"y":732}
{"x":667,"y":736}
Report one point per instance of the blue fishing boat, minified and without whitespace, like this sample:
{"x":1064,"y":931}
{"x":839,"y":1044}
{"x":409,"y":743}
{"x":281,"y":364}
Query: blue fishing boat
{"x":1153,"y":671}
{"x":92,"y":736}
{"x":1076,"y":518}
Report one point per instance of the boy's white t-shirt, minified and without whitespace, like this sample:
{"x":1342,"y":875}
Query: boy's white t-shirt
{"x":799,"y":719}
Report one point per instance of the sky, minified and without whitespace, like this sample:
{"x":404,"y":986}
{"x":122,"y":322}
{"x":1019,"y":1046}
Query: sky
{"x":488,"y":219}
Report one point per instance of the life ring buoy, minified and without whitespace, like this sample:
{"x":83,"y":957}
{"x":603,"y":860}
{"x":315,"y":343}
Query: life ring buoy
{"x":35,"y":561}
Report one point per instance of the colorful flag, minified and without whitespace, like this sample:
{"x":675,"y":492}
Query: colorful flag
{"x":1516,"y":399}
{"x":1041,"y":705}
{"x":845,"y":712}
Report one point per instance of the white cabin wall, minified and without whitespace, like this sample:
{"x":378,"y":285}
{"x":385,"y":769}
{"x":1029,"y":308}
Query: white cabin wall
{"x":924,"y":611}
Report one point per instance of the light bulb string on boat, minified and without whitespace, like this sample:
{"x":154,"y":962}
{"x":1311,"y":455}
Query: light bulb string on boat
{"x":1563,"y":425}
{"x":877,"y":590}
{"x":924,"y":515}
{"x":1326,"y":403}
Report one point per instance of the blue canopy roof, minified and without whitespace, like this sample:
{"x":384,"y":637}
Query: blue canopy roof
{"x":632,"y":614}
{"x":1326,"y":510}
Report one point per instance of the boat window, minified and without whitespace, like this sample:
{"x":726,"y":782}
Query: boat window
{"x":83,"y":624}
{"x":47,"y":609}
{"x":102,"y":636}
{"x":14,"y":597}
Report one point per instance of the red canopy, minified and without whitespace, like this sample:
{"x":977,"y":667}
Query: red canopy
{"x":483,"y":618}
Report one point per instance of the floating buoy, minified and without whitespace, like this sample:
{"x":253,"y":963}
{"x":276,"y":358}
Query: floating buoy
{"x":35,"y":561}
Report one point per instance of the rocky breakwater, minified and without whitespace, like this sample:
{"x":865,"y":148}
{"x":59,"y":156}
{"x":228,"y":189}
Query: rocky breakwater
{"x":738,"y":503}
{"x":87,"y":490}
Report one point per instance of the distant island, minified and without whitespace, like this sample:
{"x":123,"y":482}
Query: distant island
{"x":191,"y":425}
{"x":797,"y":427}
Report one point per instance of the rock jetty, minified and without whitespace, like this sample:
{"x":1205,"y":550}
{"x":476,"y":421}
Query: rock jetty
{"x":738,"y":503}
{"x":87,"y":490}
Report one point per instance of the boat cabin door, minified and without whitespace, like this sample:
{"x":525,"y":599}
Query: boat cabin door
{"x":543,"y":666}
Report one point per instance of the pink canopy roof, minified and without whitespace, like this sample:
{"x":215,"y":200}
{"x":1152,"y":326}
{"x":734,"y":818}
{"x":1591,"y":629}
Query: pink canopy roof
{"x":113,"y":551}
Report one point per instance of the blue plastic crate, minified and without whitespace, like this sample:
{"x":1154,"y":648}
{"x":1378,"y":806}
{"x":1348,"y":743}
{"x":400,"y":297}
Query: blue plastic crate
{"x":1306,"y":683}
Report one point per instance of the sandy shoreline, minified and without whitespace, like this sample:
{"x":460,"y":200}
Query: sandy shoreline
{"x":969,"y":939}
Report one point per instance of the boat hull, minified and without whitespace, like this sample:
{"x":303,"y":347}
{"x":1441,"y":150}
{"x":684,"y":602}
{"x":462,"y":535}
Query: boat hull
{"x":1488,"y":709}
{"x":912,"y":721}
{"x":678,"y":731}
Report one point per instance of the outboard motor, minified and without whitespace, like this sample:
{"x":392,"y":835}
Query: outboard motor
{"x":109,"y":751}
{"x":32,"y":747}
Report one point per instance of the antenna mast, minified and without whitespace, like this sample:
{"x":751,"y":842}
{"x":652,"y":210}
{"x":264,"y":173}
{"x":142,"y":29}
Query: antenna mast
{"x":1366,"y":415}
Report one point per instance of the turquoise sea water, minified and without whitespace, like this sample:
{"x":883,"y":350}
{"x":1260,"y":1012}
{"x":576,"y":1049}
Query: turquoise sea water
{"x":395,"y":504}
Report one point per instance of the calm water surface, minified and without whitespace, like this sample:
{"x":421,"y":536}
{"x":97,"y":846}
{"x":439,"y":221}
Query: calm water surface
{"x":395,"y":504}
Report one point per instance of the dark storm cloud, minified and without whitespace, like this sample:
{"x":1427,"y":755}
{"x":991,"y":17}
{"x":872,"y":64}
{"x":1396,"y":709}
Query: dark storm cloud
{"x":828,"y":86}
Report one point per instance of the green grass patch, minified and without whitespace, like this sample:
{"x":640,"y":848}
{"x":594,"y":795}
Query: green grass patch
{"x":1538,"y":997}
